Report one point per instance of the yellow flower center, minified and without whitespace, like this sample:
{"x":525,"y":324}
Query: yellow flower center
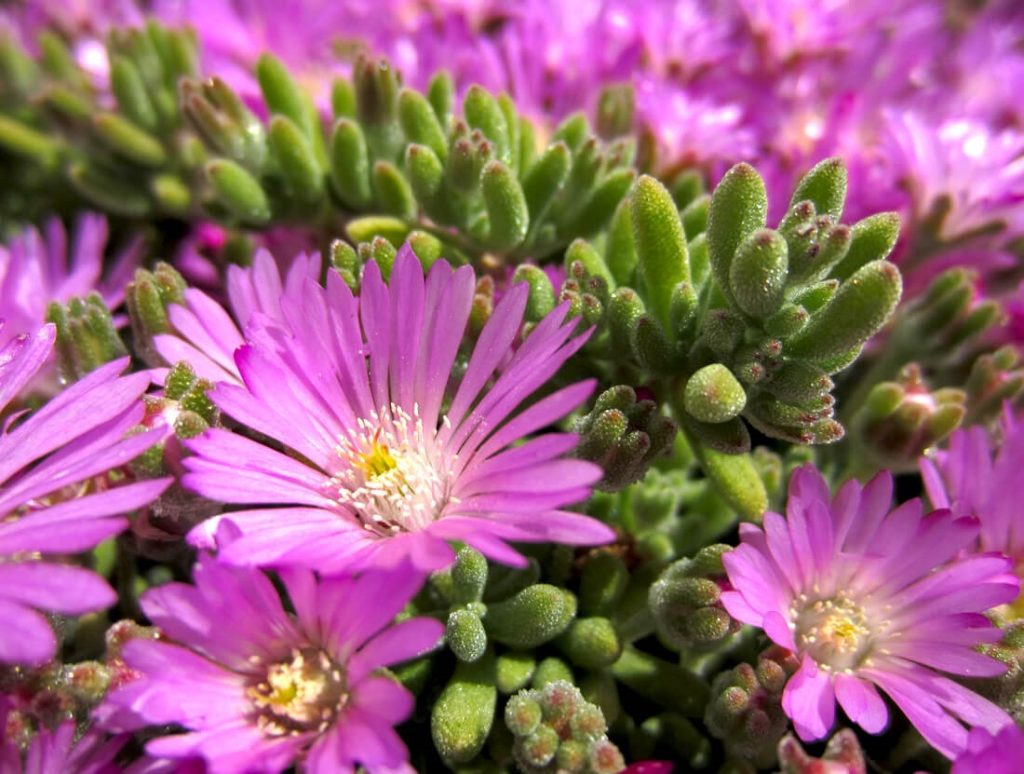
{"x":836,"y":632}
{"x":391,"y":477}
{"x":300,"y":695}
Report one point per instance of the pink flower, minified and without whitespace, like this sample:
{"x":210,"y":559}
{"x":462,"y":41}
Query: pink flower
{"x":382,"y":461}
{"x":873,"y":599}
{"x":47,"y":506}
{"x":258,"y":689}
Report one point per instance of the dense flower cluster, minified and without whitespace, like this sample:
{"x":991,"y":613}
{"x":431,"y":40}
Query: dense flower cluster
{"x":421,"y":385}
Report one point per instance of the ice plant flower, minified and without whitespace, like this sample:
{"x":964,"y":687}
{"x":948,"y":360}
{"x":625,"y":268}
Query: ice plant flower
{"x":37,"y":268}
{"x":207,"y":335}
{"x":60,"y":751}
{"x":259,"y":689}
{"x":379,"y":465}
{"x":50,"y":502}
{"x":971,"y":478}
{"x":987,"y":753}
{"x":871,"y":599}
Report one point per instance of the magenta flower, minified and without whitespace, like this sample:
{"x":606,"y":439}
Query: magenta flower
{"x":37,"y":269}
{"x":970,"y":478}
{"x":49,"y":501}
{"x":60,"y":751}
{"x":869,"y":599}
{"x":381,"y":461}
{"x":207,"y":335}
{"x":258,"y":689}
{"x":987,"y":753}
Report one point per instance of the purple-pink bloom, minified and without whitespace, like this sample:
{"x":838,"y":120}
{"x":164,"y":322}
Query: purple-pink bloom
{"x":59,"y":751}
{"x":207,"y":335}
{"x":50,"y":503}
{"x":258,"y":689}
{"x":871,"y":599}
{"x":972,"y":478}
{"x":387,"y":456}
{"x":37,"y":268}
{"x":1000,"y":753}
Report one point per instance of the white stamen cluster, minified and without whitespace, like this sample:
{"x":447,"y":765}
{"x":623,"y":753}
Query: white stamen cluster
{"x":390,"y":477}
{"x":837,"y":632}
{"x":300,"y":695}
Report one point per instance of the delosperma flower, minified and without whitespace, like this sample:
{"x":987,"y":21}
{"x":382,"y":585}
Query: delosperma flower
{"x":257,"y":688}
{"x":386,"y":463}
{"x":873,"y":599}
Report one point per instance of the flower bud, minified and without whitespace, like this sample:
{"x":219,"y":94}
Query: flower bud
{"x":86,"y":336}
{"x":507,"y":214}
{"x":713,"y":395}
{"x":514,"y":671}
{"x":660,"y":244}
{"x":350,"y":164}
{"x":824,"y":185}
{"x":739,"y":206}
{"x":461,"y":718}
{"x":591,"y":643}
{"x":843,"y":754}
{"x":858,"y":310}
{"x":757,"y":276}
{"x":532,"y":617}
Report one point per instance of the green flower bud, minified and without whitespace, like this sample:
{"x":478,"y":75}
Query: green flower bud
{"x":507,"y":214}
{"x":737,"y":481}
{"x":392,"y":191}
{"x":545,"y":178}
{"x":514,"y":671}
{"x":465,"y":635}
{"x":420,"y":123}
{"x":350,"y":164}
{"x":365,"y":229}
{"x":624,"y":436}
{"x":283,"y":97}
{"x":469,"y":575}
{"x":381,"y":251}
{"x":86,"y":335}
{"x":825,"y":186}
{"x":573,"y":131}
{"x":522,"y":714}
{"x":857,"y":311}
{"x":239,"y":192}
{"x":542,"y":295}
{"x":131,"y":94}
{"x":758,"y":273}
{"x":296,"y":160}
{"x":993,"y":379}
{"x":591,"y":643}
{"x":147,"y":297}
{"x":537,"y":749}
{"x":532,"y":617}
{"x":28,"y":143}
{"x":129,"y":141}
{"x":572,"y":756}
{"x":463,"y":714}
{"x":605,"y":758}
{"x":746,"y":716}
{"x":713,"y":395}
{"x":624,"y":310}
{"x":343,"y":98}
{"x":738,"y":208}
{"x":441,"y":95}
{"x":660,"y":244}
{"x":483,"y":112}
{"x":901,"y":420}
